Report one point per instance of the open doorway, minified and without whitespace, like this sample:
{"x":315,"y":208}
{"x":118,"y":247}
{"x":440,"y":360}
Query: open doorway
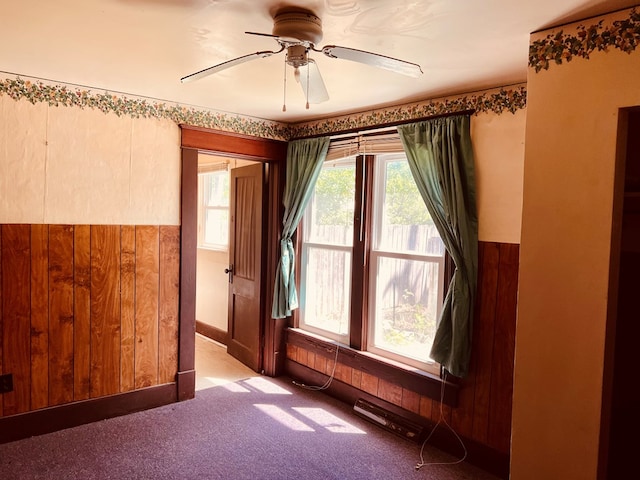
{"x":272,"y":155}
{"x":217,"y":358}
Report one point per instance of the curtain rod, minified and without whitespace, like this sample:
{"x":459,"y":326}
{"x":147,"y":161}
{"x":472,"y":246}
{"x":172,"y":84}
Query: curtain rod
{"x":382,"y":127}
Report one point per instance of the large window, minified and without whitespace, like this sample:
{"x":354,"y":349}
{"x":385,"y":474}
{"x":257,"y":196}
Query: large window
{"x":327,"y":247}
{"x":213,"y":225}
{"x":372,"y":262}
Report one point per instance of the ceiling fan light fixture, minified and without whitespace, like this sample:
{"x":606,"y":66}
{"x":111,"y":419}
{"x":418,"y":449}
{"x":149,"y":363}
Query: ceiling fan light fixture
{"x":297,"y":56}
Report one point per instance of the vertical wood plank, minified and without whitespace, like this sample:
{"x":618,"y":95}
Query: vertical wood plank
{"x":169,"y":302}
{"x":499,"y":435}
{"x":60,"y":314}
{"x":82,"y":312}
{"x":440,"y":412}
{"x":147,"y":290}
{"x":369,"y":383}
{"x":356,"y":375}
{"x":390,"y":392}
{"x":16,"y":309}
{"x":39,"y":316}
{"x":462,"y":415}
{"x":321,"y":363}
{"x":426,"y":407}
{"x":343,"y":372}
{"x":483,"y":339}
{"x":410,"y":401}
{"x":105,"y":310}
{"x":127,"y":307}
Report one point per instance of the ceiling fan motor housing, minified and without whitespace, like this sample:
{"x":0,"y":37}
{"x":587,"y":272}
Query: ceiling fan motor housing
{"x":302,"y":26}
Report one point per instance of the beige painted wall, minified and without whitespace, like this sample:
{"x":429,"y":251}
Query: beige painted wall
{"x":571,"y":131}
{"x":212,"y":288}
{"x":64,"y":165}
{"x":498,"y":147}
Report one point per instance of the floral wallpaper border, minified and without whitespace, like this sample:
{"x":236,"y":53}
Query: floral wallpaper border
{"x":505,"y":99}
{"x":62,"y":95}
{"x":560,"y":47}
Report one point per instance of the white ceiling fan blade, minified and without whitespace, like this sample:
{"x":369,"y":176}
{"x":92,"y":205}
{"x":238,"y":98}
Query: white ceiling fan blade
{"x":317,"y":90}
{"x":228,"y":64}
{"x":373,"y":59}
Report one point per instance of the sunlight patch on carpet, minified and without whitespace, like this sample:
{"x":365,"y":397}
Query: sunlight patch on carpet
{"x":284,"y":418}
{"x":328,"y":420}
{"x":266,"y":386}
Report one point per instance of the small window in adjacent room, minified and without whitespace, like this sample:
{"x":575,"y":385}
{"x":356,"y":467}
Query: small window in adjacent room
{"x":213,"y":225}
{"x":401,"y":277}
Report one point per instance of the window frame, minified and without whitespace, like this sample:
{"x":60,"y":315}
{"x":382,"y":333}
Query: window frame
{"x":361,"y":288}
{"x":303,"y":249}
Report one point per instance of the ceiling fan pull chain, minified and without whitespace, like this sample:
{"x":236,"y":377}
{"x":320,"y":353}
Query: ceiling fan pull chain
{"x":308,"y":68}
{"x":284,"y":93}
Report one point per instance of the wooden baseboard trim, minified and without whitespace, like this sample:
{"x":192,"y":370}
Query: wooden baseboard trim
{"x":186,"y":385}
{"x":477,"y":454}
{"x":51,"y":419}
{"x":211,"y":332}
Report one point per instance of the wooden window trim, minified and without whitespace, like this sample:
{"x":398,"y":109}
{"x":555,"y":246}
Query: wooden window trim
{"x":361,"y":235}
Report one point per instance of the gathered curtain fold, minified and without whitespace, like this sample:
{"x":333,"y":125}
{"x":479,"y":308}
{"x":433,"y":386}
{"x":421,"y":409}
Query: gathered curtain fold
{"x":304,"y":163}
{"x":440,"y":157}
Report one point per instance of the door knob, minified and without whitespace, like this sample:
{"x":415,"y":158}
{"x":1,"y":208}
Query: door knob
{"x":229,"y":271}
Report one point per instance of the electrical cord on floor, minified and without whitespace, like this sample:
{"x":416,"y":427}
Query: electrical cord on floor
{"x":326,"y":384}
{"x":422,"y":463}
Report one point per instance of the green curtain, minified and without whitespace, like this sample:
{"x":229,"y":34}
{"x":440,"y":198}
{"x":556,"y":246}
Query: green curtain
{"x":304,"y":162}
{"x":441,"y":160}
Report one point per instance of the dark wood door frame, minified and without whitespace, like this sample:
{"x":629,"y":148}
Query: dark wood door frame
{"x":271,"y":152}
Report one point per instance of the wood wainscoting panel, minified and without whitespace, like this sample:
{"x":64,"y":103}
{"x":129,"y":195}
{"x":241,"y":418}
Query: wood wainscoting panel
{"x":39,"y":316}
{"x":168,"y":306}
{"x":499,"y":436}
{"x":60,"y":314}
{"x":82,"y":312}
{"x":127,"y":306}
{"x":479,"y":380}
{"x":105,"y":310}
{"x":86,"y":311}
{"x":147,"y":290}
{"x":16,"y":313}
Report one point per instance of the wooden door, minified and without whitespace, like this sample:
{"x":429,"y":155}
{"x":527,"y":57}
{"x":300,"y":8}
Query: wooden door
{"x":245,"y":265}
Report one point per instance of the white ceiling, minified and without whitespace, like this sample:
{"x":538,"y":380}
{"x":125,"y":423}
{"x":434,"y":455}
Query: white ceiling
{"x":144,"y":47}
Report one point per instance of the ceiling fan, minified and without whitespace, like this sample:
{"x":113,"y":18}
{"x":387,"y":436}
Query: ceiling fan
{"x":298,"y":32}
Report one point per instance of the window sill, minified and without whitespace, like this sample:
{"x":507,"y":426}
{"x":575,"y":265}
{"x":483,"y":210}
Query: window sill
{"x":418,"y":381}
{"x":213,"y":249}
